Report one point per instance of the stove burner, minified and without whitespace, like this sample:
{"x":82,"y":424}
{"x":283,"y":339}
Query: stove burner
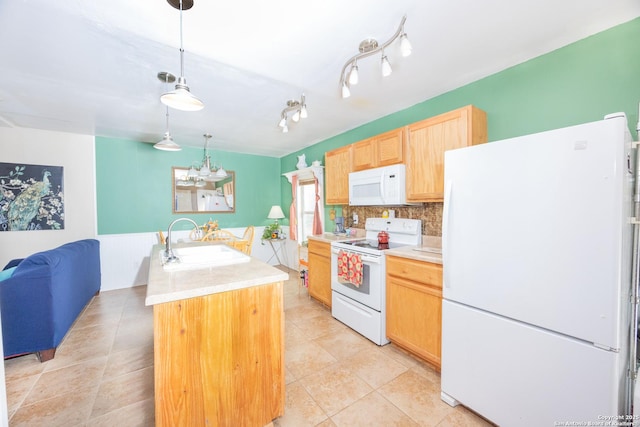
{"x":366,"y":244}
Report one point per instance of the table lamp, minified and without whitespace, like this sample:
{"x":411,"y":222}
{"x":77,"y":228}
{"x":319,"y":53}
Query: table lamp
{"x":276,"y":213}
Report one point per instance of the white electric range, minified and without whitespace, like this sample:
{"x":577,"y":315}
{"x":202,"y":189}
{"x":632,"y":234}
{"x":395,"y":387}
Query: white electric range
{"x":362,"y":307}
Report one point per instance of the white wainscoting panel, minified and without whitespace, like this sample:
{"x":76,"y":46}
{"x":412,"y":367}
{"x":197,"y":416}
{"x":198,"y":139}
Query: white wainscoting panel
{"x":124,"y":258}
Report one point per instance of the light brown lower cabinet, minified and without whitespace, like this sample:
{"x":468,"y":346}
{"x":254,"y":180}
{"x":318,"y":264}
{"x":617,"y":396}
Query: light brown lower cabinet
{"x":414,"y":307}
{"x":219,"y":359}
{"x":320,"y":271}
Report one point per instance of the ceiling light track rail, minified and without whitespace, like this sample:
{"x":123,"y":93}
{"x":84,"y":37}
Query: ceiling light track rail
{"x":299,"y":110}
{"x":369,"y":47}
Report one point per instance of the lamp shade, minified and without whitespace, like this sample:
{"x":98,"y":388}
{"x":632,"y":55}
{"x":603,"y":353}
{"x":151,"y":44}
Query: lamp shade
{"x":181,"y":98}
{"x":275,"y":213}
{"x":221,"y":173}
{"x":167,"y":144}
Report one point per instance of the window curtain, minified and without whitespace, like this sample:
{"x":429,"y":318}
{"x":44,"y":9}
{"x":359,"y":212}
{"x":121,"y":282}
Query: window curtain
{"x":317,"y":221}
{"x":293,"y":215}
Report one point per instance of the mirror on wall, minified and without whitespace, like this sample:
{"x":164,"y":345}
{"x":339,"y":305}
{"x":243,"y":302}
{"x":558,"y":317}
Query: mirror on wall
{"x":203,"y":195}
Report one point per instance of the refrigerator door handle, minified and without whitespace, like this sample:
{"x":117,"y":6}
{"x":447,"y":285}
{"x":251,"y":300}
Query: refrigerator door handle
{"x":446,"y":223}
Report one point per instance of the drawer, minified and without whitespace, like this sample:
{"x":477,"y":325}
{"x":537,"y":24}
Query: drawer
{"x":416,"y":271}
{"x":319,"y":248}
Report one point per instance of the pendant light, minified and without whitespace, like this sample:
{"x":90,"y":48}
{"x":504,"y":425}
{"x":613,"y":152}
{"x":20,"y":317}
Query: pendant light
{"x":181,"y":98}
{"x":167,"y":144}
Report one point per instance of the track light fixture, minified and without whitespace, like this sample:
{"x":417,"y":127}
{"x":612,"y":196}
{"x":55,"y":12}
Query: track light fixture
{"x":370,"y":47}
{"x":167,"y":144}
{"x":181,"y":98}
{"x":299,"y":109}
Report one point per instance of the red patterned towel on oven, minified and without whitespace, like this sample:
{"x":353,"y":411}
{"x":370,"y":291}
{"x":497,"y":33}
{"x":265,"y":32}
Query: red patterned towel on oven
{"x":350,"y":268}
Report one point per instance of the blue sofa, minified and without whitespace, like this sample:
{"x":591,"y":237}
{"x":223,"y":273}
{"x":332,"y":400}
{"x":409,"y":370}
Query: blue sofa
{"x":42,"y":295}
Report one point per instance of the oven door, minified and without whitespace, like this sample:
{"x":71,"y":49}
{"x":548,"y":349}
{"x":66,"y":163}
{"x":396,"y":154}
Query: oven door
{"x":370,"y":292}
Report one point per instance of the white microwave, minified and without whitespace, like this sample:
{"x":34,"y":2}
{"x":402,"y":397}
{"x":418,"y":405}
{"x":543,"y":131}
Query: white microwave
{"x":378,"y":187}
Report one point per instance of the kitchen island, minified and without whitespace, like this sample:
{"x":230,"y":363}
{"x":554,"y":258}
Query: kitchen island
{"x":218,"y":343}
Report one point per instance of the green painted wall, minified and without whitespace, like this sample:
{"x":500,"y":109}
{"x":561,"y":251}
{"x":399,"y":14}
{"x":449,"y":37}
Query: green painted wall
{"x":578,"y":83}
{"x":575,"y":84}
{"x":134,"y":186}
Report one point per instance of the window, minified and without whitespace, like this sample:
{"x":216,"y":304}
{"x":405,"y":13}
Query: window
{"x":305,"y":208}
{"x":307,"y":215}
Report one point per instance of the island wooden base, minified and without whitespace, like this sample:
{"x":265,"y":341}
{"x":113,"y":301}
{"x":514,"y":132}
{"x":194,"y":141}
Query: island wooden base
{"x":219,"y":359}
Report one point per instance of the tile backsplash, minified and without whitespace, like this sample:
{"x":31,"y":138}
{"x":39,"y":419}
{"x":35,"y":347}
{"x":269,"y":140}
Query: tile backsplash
{"x":429,"y":213}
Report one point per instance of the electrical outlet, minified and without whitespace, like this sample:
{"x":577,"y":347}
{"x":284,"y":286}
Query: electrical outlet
{"x":355,"y":218}
{"x":332,"y":214}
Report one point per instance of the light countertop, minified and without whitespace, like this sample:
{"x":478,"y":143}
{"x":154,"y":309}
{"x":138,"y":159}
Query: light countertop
{"x":413,"y":252}
{"x":331,"y":237}
{"x":167,"y":286}
{"x":427,"y":252}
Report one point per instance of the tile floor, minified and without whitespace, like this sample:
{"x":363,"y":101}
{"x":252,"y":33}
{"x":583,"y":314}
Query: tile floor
{"x":102,"y":374}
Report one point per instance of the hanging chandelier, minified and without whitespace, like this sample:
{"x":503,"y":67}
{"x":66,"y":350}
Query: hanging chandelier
{"x":299,"y":110}
{"x":205,"y":170}
{"x":370,"y":47}
{"x":181,"y":98}
{"x":167,"y":143}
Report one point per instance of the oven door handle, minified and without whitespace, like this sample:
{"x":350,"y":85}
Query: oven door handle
{"x":365,"y":258}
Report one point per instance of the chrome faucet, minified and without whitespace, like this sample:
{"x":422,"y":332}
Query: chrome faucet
{"x":168,"y":253}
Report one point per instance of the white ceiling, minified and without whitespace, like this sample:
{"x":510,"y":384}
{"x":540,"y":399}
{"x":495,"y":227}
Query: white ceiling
{"x":90,"y":66}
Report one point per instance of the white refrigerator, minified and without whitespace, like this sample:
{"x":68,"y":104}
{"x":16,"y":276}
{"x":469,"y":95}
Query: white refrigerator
{"x":537,"y":258}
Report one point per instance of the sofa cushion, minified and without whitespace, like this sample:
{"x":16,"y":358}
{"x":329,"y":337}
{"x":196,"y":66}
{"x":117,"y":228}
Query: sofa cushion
{"x":5,"y":274}
{"x":13,"y":263}
{"x":45,"y":295}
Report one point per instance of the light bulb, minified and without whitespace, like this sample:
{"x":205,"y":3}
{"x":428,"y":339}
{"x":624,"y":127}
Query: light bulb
{"x":303,"y":111}
{"x":283,"y":122}
{"x":296,"y":116}
{"x":386,"y":67}
{"x":285,"y":129}
{"x":345,"y":90}
{"x":353,"y":75}
{"x":405,"y":45}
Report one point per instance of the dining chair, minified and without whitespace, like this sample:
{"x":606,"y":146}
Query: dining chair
{"x":218,"y":235}
{"x":226,"y":237}
{"x":248,"y":236}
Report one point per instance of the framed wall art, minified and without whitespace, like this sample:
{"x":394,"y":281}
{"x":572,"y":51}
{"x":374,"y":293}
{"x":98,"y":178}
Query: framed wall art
{"x":32,"y":197}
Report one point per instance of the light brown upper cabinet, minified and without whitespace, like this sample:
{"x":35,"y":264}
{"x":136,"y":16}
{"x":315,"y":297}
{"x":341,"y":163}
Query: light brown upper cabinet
{"x":380,"y":150}
{"x":337,"y":165}
{"x":427,"y":141}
